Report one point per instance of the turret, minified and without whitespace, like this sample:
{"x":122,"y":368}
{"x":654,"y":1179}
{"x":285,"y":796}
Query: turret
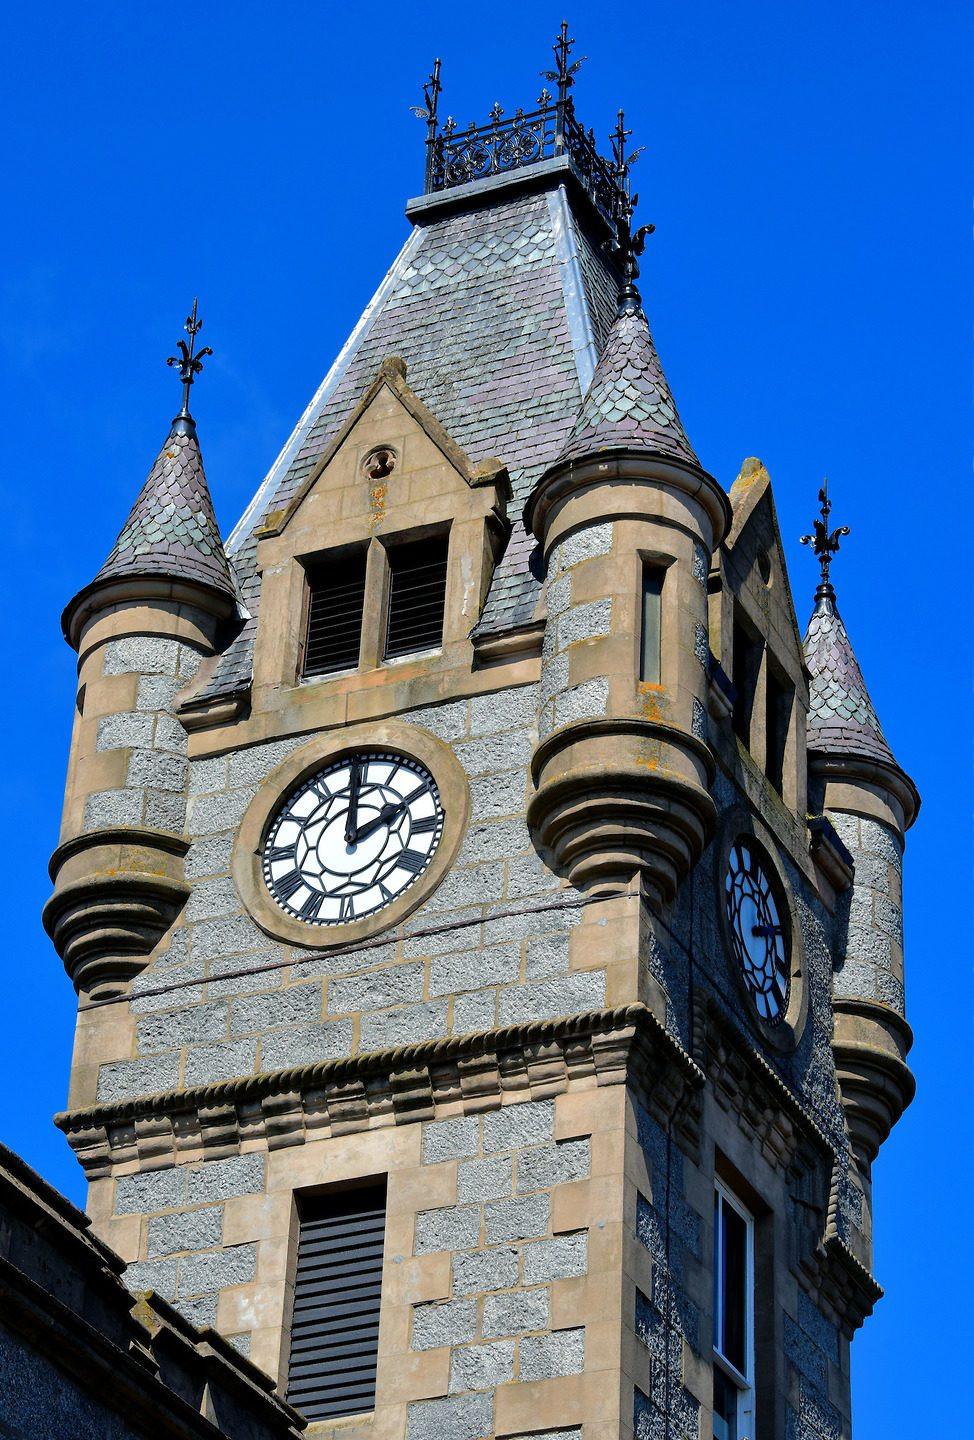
{"x":628,"y":521}
{"x":871,"y":802}
{"x":157,"y":605}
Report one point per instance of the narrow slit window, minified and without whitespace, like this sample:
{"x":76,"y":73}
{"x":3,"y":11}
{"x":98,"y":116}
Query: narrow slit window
{"x":649,"y":636}
{"x":779,"y":697}
{"x":733,"y":1405}
{"x":337,"y":1287}
{"x":336,"y":596}
{"x":417,"y":594}
{"x":747,"y":661}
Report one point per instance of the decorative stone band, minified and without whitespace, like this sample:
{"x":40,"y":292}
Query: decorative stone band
{"x":412,"y":1082}
{"x":621,"y":796}
{"x":116,"y":893}
{"x":746,"y":1084}
{"x":615,"y":474}
{"x":103,"y":595}
{"x":892,"y":787}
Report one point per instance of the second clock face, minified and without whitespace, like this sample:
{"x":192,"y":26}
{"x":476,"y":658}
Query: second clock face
{"x":757,"y":935}
{"x":352,"y":838}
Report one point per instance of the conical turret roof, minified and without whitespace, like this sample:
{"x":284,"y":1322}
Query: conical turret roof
{"x":171,"y":531}
{"x":841,"y":717}
{"x":628,"y":405}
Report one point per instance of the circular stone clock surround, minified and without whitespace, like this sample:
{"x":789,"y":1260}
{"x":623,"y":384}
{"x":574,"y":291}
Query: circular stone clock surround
{"x":741,"y":827}
{"x":285,"y":780}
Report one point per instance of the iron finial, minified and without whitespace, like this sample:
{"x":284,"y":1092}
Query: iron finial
{"x":627,"y":244}
{"x":190,"y":365}
{"x":825,"y":544}
{"x":428,"y":112}
{"x":564,"y":74}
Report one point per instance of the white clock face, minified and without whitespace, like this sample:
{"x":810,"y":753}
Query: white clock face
{"x":352,"y":838}
{"x":757,"y":935}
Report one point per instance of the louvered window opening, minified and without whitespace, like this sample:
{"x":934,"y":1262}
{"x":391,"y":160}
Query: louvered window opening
{"x":335,"y":604}
{"x":335,"y":1325}
{"x":417,"y":592}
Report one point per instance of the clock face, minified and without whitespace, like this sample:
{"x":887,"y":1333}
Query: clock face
{"x":352,"y":837}
{"x":757,"y":935}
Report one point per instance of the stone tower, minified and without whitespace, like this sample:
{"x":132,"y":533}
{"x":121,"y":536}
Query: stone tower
{"x":485,"y":913}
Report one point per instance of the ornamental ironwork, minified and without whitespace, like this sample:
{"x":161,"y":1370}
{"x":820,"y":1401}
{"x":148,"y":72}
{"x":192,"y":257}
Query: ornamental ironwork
{"x":825,"y":542}
{"x":189,"y":364}
{"x":456,"y":156}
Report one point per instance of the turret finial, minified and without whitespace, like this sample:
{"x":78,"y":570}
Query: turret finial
{"x":190,"y":365}
{"x":627,"y":244}
{"x":825,"y":544}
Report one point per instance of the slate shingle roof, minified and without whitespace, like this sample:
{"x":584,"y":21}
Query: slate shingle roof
{"x":841,"y":718}
{"x":629,"y":404}
{"x":499,"y":313}
{"x":171,"y":530}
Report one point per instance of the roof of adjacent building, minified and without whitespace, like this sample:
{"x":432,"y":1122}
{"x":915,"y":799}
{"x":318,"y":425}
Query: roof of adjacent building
{"x":841,"y":717}
{"x":628,"y":404}
{"x":500,"y":303}
{"x":171,"y":531}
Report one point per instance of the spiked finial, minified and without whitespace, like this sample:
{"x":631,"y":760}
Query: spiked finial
{"x":627,"y":244}
{"x":564,"y":74}
{"x":428,"y":112}
{"x":825,"y":544}
{"x":190,"y":365}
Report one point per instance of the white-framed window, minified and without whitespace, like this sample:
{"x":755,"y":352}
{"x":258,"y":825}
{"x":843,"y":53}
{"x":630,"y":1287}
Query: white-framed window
{"x":733,"y":1318}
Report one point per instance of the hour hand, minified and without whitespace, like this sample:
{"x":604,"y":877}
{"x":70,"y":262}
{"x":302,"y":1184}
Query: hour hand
{"x":351,"y":819}
{"x":387,"y":813}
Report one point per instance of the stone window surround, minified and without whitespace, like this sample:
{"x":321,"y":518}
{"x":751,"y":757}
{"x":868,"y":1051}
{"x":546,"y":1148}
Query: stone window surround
{"x":375,"y":602}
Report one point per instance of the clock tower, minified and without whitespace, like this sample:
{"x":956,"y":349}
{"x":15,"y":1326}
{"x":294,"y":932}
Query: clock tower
{"x":485,"y":909}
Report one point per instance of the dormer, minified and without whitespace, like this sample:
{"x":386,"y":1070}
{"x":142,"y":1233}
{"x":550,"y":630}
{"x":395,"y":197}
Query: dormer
{"x":754,"y":635}
{"x":379,"y":566}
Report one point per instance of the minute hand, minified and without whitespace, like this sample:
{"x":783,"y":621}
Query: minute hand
{"x":387,"y":813}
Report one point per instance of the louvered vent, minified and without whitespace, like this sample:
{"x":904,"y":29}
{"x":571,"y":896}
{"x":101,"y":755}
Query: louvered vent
{"x":335,"y":1327}
{"x":417,"y":589}
{"x":336,"y":597}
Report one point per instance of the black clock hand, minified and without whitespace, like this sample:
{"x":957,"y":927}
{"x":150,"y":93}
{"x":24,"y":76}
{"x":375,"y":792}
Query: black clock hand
{"x":766,"y":931}
{"x":387,"y":813}
{"x":351,"y":820}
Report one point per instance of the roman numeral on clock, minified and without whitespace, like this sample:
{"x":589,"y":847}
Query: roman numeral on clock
{"x":424,"y":826}
{"x":309,"y":910}
{"x":281,"y":852}
{"x":288,"y":884}
{"x":412,"y":861}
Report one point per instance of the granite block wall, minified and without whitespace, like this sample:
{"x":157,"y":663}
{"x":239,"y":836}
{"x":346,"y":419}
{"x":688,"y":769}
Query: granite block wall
{"x":244,"y":1002}
{"x":504,"y":1260}
{"x":155,"y":768}
{"x":666,"y":1319}
{"x":568,"y":623}
{"x":869,"y":922}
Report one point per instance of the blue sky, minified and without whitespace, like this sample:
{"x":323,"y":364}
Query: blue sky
{"x":808,"y":169}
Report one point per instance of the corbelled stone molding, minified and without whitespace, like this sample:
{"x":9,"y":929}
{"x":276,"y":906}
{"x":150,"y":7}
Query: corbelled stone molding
{"x":789,"y":1137}
{"x":623,"y":796}
{"x":746,"y":1084}
{"x":117,"y":891}
{"x":413,"y":1082}
{"x":870,"y":1044}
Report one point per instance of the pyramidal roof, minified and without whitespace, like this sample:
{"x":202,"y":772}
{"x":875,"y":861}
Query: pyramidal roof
{"x":171,"y":531}
{"x":841,"y":717}
{"x":629,"y":405}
